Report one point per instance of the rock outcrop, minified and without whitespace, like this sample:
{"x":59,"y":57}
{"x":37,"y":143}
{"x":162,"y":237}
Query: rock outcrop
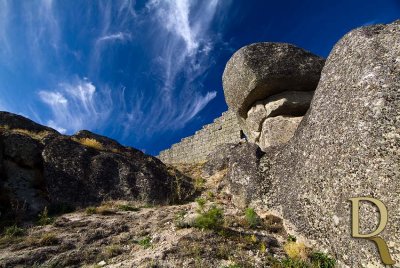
{"x":42,"y":168}
{"x":266,"y":80}
{"x":346,"y":146}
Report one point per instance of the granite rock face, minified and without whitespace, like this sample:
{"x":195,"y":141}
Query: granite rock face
{"x":348,"y":145}
{"x":290,"y":104}
{"x":277,"y":130}
{"x":40,"y":167}
{"x":242,"y":180}
{"x":266,"y":80}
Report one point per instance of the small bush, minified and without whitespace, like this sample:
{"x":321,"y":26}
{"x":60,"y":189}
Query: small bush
{"x":210,"y":196}
{"x":180,"y":220}
{"x":145,"y":242}
{"x":252,"y":219}
{"x":91,"y":210}
{"x":321,"y":260}
{"x":199,"y":183}
{"x":44,"y":218}
{"x":201,"y":202}
{"x":112,"y":251}
{"x":211,"y":219}
{"x":293,"y":263}
{"x":14,"y":231}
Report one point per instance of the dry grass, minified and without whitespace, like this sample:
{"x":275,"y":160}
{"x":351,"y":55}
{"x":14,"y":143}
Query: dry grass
{"x":296,"y":250}
{"x":43,"y":240}
{"x":92,"y":143}
{"x":112,"y":207}
{"x":34,"y":135}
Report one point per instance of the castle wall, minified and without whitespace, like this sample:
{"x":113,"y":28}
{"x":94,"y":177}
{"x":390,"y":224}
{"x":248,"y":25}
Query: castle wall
{"x":194,"y":149}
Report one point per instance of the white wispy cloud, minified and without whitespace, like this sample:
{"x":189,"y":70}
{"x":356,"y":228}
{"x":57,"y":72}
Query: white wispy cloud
{"x":176,"y":37}
{"x":120,"y":36}
{"x":4,"y":42}
{"x":184,"y":39}
{"x":77,"y":105}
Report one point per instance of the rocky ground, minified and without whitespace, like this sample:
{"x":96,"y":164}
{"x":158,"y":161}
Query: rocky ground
{"x":129,"y":234}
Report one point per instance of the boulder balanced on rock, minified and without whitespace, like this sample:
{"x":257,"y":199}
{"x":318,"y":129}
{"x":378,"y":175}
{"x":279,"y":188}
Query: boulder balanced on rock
{"x":267,"y":80}
{"x":347,"y":146}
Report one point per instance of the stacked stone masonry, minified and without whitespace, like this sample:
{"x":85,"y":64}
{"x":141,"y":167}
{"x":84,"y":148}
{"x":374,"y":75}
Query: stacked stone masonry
{"x":194,"y":149}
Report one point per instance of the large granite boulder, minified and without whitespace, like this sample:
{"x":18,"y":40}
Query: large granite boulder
{"x":348,"y":145}
{"x":260,"y":70}
{"x":41,"y":168}
{"x":14,"y":121}
{"x":265,"y":80}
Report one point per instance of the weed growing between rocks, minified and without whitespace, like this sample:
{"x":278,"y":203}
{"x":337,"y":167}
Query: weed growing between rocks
{"x":299,"y":256}
{"x":252,"y":219}
{"x":145,"y":242}
{"x":126,"y":207}
{"x":14,"y":231}
{"x":209,"y":218}
{"x":11,"y":235}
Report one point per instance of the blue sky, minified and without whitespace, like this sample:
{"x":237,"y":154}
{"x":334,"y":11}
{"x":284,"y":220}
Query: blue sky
{"x":148,"y":72}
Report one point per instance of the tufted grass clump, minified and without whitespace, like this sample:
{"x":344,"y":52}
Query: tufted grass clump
{"x":88,"y":142}
{"x":316,"y":260}
{"x":126,"y":207}
{"x":43,"y":240}
{"x":14,"y":231}
{"x":296,"y":250}
{"x":252,"y":218}
{"x":145,"y":242}
{"x":322,"y":260}
{"x":292,"y":263}
{"x":112,"y":251}
{"x":211,"y":218}
{"x":101,"y":210}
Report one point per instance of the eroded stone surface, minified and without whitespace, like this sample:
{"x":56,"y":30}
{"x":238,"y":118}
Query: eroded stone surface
{"x":348,"y":145}
{"x":288,"y":104}
{"x":278,"y":130}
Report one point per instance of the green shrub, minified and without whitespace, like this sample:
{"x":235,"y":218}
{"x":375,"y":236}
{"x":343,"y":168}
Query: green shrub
{"x":321,"y":260}
{"x":128,"y":208}
{"x":201,"y":202}
{"x":91,"y":210}
{"x":252,"y":219}
{"x":44,"y":218}
{"x":293,"y":263}
{"x":14,"y":231}
{"x":145,"y":242}
{"x":211,"y":219}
